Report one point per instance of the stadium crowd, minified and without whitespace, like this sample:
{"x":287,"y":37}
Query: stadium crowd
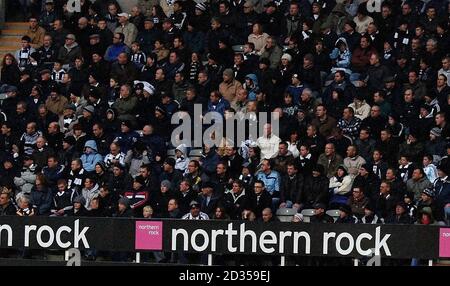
{"x":363,"y":100}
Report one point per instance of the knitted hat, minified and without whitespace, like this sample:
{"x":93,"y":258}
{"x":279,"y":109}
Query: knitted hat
{"x":89,"y":108}
{"x":201,"y":6}
{"x":228,"y":72}
{"x":124,"y":201}
{"x":436,"y":131}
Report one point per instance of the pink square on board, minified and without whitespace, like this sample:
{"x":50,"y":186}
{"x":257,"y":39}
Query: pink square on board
{"x":444,"y":242}
{"x":149,"y":235}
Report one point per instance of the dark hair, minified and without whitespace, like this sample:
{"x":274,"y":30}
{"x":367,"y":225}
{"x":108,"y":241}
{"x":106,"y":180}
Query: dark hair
{"x":121,"y":36}
{"x":14,"y":61}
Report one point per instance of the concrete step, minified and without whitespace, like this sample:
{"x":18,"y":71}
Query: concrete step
{"x":14,"y":32}
{"x":9,"y":48}
{"x":9,"y":41}
{"x":17,"y":25}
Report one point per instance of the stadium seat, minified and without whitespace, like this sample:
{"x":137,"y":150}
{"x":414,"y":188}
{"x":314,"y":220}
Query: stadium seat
{"x":171,"y":153}
{"x":307,"y":214}
{"x":238,"y":48}
{"x":286,"y":214}
{"x":334,"y":214}
{"x":195,"y":153}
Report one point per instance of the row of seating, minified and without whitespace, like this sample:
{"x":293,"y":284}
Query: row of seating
{"x":286,"y":214}
{"x":194,"y":154}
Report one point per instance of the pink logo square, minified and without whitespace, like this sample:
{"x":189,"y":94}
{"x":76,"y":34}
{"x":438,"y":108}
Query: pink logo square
{"x":149,"y":235}
{"x":444,"y":242}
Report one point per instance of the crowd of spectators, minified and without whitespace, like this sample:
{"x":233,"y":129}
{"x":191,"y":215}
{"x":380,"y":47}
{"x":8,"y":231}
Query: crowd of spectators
{"x":362,"y":98}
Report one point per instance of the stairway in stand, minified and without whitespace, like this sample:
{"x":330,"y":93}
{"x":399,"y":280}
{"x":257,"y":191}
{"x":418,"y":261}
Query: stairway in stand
{"x":10,"y":37}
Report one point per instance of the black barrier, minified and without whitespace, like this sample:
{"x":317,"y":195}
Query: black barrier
{"x":226,"y":237}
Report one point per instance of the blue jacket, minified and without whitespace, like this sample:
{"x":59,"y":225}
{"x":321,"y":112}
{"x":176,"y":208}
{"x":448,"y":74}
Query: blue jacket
{"x":253,"y":92}
{"x":271,"y":182}
{"x":113,"y":52}
{"x":126,"y":140}
{"x":219,"y":107}
{"x":90,"y":160}
{"x":54,"y":174}
{"x":155,"y":143}
{"x":209,"y":162}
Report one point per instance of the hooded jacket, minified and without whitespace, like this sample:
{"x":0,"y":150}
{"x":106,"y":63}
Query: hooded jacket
{"x":88,"y":195}
{"x":343,"y":59}
{"x":252,"y":91}
{"x":182,"y":163}
{"x":90,"y":160}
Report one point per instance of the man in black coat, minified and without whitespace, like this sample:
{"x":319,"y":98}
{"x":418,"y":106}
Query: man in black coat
{"x":315,"y":189}
{"x":385,"y":202}
{"x":6,"y":207}
{"x":291,"y":187}
{"x":401,"y":216}
{"x":319,"y":214}
{"x":208,"y":199}
{"x":259,"y":199}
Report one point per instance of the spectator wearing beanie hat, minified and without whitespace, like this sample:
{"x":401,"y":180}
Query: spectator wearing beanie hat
{"x":171,"y":174}
{"x":229,"y":86}
{"x":123,"y":208}
{"x":160,"y":198}
{"x":435,"y":144}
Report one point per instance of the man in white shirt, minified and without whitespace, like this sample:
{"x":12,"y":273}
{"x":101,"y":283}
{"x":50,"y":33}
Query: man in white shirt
{"x":268,"y":143}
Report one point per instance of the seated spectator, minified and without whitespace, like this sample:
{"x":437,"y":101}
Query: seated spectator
{"x":346,"y":215}
{"x":91,"y":157}
{"x":340,"y":187}
{"x":319,"y":214}
{"x":41,"y":197}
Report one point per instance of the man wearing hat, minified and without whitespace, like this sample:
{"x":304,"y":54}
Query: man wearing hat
{"x":208,"y":199}
{"x":88,"y":119}
{"x":229,"y":86}
{"x":369,"y":215}
{"x":127,"y":136}
{"x":128,"y":29}
{"x":123,"y":208}
{"x":319,"y":214}
{"x":55,"y":102}
{"x":346,"y":215}
{"x":69,"y":52}
{"x":138,"y":196}
{"x":170,"y":173}
{"x":401,"y":215}
{"x":146,"y":37}
{"x":195,"y":213}
{"x":427,"y":200}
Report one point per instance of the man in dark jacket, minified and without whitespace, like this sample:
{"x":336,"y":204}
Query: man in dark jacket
{"x":315,"y":189}
{"x":385,"y":202}
{"x":319,"y":214}
{"x":208,"y":199}
{"x":259,"y":199}
{"x":291,"y":187}
{"x":6,"y":207}
{"x":346,"y":215}
{"x":401,"y":216}
{"x":442,"y":189}
{"x":170,"y":173}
